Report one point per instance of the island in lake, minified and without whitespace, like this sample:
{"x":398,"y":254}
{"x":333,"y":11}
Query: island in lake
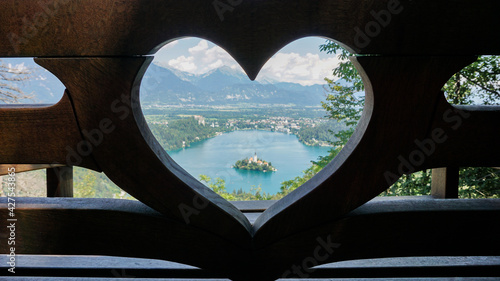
{"x":254,"y":164}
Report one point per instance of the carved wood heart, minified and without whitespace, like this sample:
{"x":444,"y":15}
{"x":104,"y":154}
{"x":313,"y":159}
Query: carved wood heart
{"x":101,"y":53}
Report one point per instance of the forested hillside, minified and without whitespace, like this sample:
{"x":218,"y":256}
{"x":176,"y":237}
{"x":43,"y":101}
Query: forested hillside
{"x":181,"y":133}
{"x":322,"y":134}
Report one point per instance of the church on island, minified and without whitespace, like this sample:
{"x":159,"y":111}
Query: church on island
{"x":254,"y":164}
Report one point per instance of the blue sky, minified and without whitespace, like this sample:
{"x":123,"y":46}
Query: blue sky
{"x":299,"y":62}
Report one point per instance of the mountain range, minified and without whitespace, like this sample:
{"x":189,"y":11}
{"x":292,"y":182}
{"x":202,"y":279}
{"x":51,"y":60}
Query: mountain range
{"x":163,"y":85}
{"x":222,"y":86}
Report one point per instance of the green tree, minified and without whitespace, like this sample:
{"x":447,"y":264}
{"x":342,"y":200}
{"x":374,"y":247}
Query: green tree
{"x":344,"y":104}
{"x":178,"y":133}
{"x":86,"y":187}
{"x":219,"y":186}
{"x":478,"y":80}
{"x":92,"y":184}
{"x":479,"y":183}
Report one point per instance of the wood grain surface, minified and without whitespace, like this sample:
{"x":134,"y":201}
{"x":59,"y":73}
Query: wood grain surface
{"x":384,"y":227}
{"x":105,"y":93}
{"x":100,"y":49}
{"x":42,"y":135}
{"x":252,"y":31}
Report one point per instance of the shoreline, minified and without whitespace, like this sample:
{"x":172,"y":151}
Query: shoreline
{"x":236,"y":130}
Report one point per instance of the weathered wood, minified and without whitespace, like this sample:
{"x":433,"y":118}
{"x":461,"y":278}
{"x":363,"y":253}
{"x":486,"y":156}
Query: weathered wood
{"x":112,"y":267}
{"x":342,"y":186}
{"x":98,"y":48}
{"x":112,"y":227}
{"x":105,"y":94}
{"x":402,"y":94}
{"x":471,"y":136}
{"x":384,"y":227}
{"x":253,"y":206}
{"x":60,"y":182}
{"x":19,"y":168}
{"x":387,"y":227}
{"x":445,"y":182}
{"x":42,"y":135}
{"x":139,"y":27}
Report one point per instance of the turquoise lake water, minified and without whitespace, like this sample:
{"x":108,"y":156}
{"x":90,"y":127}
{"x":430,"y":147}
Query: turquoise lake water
{"x":214,"y":158}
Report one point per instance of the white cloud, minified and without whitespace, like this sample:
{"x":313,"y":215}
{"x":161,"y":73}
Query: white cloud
{"x":184,"y":63}
{"x":305,"y":69}
{"x":202,"y":46}
{"x":202,"y":59}
{"x":216,"y":64}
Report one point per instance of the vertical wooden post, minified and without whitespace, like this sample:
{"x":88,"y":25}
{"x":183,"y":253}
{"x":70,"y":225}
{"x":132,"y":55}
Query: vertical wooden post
{"x":445,"y":182}
{"x":60,"y":182}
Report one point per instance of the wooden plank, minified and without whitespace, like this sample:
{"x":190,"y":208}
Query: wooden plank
{"x":112,"y":227}
{"x":138,"y":27}
{"x":4,"y":168}
{"x":404,"y":111}
{"x":60,"y":182}
{"x":42,"y":135}
{"x":391,"y":228}
{"x":105,"y":94}
{"x":445,"y":182}
{"x":471,"y":136}
{"x":385,"y":227}
{"x":99,"y":262}
{"x":102,"y":266}
{"x":406,"y":270}
{"x":253,"y":206}
{"x":432,"y":273}
{"x":402,"y":94}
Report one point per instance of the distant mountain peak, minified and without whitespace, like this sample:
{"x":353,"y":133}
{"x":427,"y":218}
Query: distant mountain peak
{"x":225,"y":70}
{"x":223,"y":85}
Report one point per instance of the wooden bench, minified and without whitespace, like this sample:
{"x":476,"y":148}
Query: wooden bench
{"x":405,"y":51}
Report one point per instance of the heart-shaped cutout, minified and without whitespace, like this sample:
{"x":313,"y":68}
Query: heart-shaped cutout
{"x":105,"y":95}
{"x":158,"y":181}
{"x":102,"y":76}
{"x":194,"y":91}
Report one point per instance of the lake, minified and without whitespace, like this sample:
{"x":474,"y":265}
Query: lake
{"x":214,"y":157}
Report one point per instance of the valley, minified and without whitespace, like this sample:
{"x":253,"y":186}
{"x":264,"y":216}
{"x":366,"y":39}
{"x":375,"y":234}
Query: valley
{"x":176,"y":128}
